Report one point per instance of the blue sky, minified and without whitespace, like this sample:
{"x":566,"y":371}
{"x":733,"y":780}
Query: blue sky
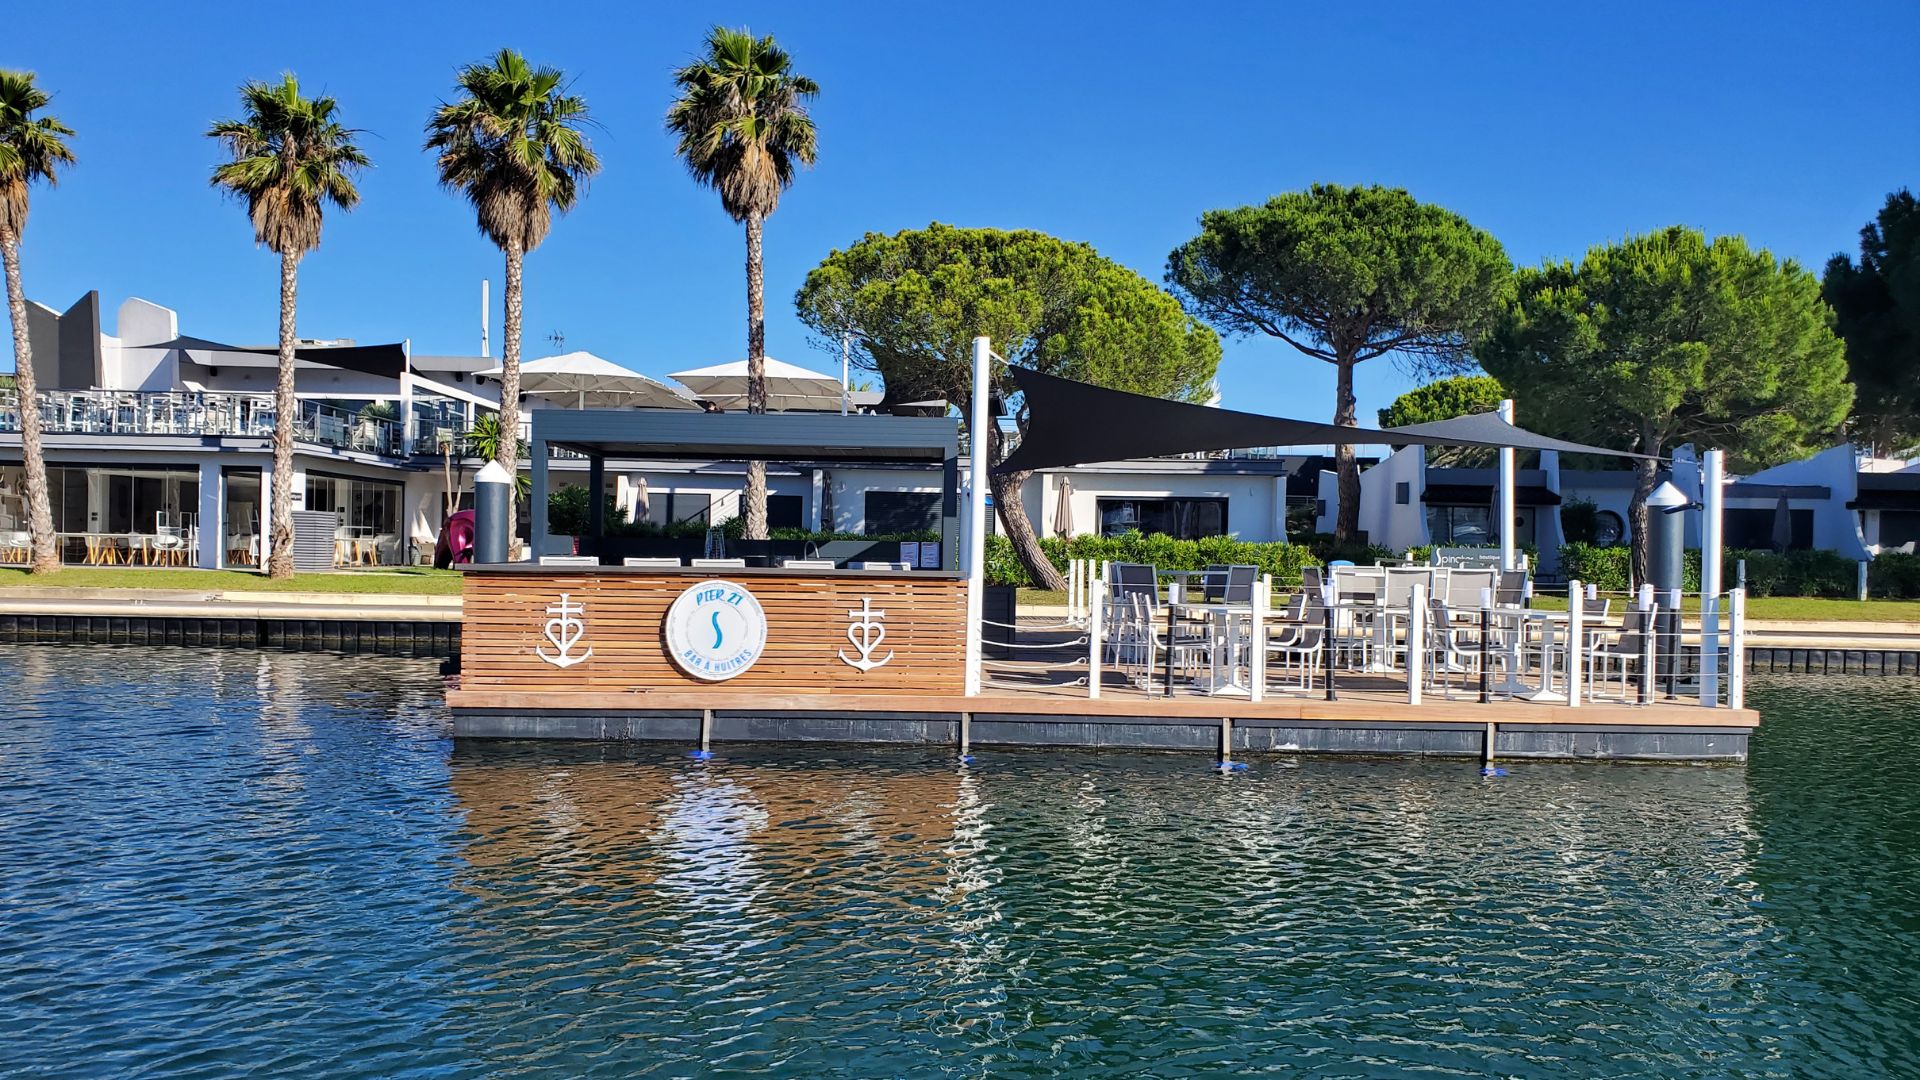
{"x":1787,"y":124}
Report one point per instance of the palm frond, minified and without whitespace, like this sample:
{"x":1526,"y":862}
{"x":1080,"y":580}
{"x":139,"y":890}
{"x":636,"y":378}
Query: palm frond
{"x":740,"y":124}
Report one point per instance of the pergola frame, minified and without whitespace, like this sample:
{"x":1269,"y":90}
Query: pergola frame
{"x":672,"y":435}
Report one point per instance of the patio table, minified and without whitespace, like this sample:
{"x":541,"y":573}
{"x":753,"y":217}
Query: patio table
{"x":1223,"y":622}
{"x":1553,"y":628}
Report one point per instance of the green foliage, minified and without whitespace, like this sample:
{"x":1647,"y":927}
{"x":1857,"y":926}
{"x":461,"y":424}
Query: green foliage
{"x":1795,"y":573}
{"x":1283,"y":561}
{"x":1580,"y":521}
{"x":1444,"y":399}
{"x":1893,"y":575}
{"x":739,"y":123}
{"x":1876,"y":302}
{"x":513,"y":143}
{"x":1667,"y":338}
{"x":1346,"y":274}
{"x":914,"y":301}
{"x":291,"y":156}
{"x":31,"y":148}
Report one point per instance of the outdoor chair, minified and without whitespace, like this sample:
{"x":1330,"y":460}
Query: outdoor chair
{"x":1454,"y":647}
{"x":661,"y":562}
{"x":1241,"y":579}
{"x":1298,"y":643}
{"x":1465,"y":587}
{"x":1512,"y":589}
{"x":1622,"y":651}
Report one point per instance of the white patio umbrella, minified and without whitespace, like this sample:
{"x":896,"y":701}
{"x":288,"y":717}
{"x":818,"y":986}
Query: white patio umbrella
{"x":586,"y":381}
{"x":1063,"y":511}
{"x":789,"y":388}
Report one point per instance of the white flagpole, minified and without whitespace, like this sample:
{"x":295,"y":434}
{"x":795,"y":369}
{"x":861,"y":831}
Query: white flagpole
{"x":978,"y":427}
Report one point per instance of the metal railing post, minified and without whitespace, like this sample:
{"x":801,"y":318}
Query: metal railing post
{"x":1648,"y":652}
{"x":1486,"y":674}
{"x":1096,"y":634}
{"x":1737,"y":649}
{"x":1576,"y":639}
{"x":1416,"y":641}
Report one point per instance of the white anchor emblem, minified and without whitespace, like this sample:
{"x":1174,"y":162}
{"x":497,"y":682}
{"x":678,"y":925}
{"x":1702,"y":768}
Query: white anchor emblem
{"x":866,"y":633}
{"x":565,"y":630}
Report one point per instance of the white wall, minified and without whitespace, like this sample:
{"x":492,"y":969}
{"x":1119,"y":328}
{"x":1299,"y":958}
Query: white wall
{"x":1835,"y":528}
{"x":1251,"y":513}
{"x":1387,"y":522}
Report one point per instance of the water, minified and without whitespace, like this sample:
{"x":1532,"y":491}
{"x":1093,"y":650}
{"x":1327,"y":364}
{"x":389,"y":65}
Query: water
{"x":212,"y":862}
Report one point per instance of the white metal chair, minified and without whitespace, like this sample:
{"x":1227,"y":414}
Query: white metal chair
{"x":1299,"y":641}
{"x":1620,"y":651}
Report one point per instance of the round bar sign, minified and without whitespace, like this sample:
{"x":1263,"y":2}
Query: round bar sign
{"x":715,"y":630}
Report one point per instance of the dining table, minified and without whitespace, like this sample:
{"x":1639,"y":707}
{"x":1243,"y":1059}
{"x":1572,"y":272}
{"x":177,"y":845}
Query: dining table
{"x":1223,"y":621}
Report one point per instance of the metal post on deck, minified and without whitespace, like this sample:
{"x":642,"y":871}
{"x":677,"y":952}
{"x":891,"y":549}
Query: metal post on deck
{"x":1328,"y":595}
{"x":1226,"y":742}
{"x":1257,"y":606}
{"x":492,"y":496}
{"x":1737,"y":649}
{"x":966,"y":738}
{"x":1486,"y":631}
{"x":1416,"y":641}
{"x":1713,"y":465}
{"x":1506,"y":496}
{"x":1576,"y":639}
{"x":978,"y":426}
{"x":1096,"y":634}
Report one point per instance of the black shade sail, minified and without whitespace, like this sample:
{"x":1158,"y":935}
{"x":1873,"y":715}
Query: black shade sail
{"x":1073,"y":423}
{"x":385,"y":361}
{"x":1488,"y":429}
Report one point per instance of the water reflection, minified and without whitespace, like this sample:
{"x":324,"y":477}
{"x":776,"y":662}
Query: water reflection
{"x":219,"y":862}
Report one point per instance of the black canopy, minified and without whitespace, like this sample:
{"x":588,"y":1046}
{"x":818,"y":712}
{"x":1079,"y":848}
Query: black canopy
{"x":1489,"y":429}
{"x":386,"y":361}
{"x":1072,"y":423}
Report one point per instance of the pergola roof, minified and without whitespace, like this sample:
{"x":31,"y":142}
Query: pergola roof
{"x":673,"y":434}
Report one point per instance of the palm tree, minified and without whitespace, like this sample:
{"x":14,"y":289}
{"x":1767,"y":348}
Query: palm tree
{"x":30,"y":150}
{"x":742,"y":126}
{"x":513,"y":145}
{"x":290,"y":158}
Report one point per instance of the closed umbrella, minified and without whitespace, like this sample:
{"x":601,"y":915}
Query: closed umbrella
{"x":1063,"y":511}
{"x":585,"y":381}
{"x":789,"y":388}
{"x":1782,"y":525}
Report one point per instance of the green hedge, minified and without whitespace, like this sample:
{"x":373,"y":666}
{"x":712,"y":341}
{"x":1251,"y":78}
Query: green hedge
{"x":1283,"y":561}
{"x":1769,"y":573}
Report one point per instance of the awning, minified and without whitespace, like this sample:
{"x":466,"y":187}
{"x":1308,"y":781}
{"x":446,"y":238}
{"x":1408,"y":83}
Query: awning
{"x":385,"y":361}
{"x":1482,"y":495}
{"x":1887,"y":491}
{"x":1072,"y":423}
{"x":1489,"y":429}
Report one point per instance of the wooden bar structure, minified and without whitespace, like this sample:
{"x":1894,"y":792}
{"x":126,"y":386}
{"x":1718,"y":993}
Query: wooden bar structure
{"x":913,"y":618}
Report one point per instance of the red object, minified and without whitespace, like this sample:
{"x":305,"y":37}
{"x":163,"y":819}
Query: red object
{"x":455,"y":545}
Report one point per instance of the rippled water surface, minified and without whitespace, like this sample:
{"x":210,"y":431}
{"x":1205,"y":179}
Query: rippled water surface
{"x":219,"y":861}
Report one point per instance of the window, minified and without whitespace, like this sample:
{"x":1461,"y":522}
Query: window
{"x":1608,"y":528}
{"x":1182,"y":519}
{"x":363,"y":507}
{"x":902,"y":512}
{"x":1754,"y":529}
{"x":783,"y":512}
{"x":1402,"y":493}
{"x":1898,"y":527}
{"x":1460,"y":526}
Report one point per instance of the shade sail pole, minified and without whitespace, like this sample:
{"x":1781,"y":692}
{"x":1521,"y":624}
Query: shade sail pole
{"x":1505,"y":502}
{"x":1713,"y":498}
{"x":978,"y":441}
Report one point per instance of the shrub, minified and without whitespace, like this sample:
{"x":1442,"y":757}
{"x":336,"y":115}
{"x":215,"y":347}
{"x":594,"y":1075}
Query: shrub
{"x":1894,"y":575}
{"x":1283,"y":561}
{"x":1796,"y":573}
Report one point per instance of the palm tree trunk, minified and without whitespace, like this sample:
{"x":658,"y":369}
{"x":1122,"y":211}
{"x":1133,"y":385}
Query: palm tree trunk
{"x":756,"y":375}
{"x":1347,"y":524}
{"x":46,"y":555}
{"x":285,"y":410}
{"x":507,"y":453}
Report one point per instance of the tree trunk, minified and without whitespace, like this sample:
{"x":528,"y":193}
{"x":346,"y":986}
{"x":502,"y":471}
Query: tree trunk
{"x":46,"y":553}
{"x":1012,"y":510}
{"x":1347,"y":524}
{"x":1645,"y":479}
{"x":507,"y":453}
{"x":286,"y":409}
{"x":756,"y":375}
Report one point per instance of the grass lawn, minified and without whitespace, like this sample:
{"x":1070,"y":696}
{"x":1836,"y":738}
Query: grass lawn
{"x":1782,"y":608}
{"x":1795,"y":608}
{"x":408,"y":580}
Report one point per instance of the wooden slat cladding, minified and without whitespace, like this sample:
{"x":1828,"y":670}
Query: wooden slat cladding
{"x":807,"y":621}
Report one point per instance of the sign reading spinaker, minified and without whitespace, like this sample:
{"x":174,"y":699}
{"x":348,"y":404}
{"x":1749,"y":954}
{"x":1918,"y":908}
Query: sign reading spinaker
{"x":715,"y":630}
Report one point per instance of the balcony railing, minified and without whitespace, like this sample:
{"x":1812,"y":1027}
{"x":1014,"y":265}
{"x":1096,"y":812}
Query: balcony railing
{"x":115,"y":412}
